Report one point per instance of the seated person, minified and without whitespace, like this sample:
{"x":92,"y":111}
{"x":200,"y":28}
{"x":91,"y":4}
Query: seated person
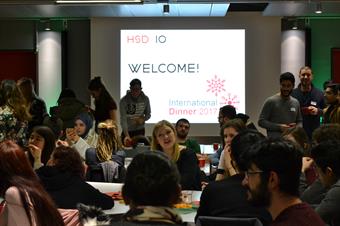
{"x":41,"y":144}
{"x":316,"y":191}
{"x":151,"y":189}
{"x":64,"y":180}
{"x":227,"y":197}
{"x":82,"y":136}
{"x":327,"y":158}
{"x":228,"y":131}
{"x":106,"y":161}
{"x":164,"y":139}
{"x":182,"y":129}
{"x":26,"y":202}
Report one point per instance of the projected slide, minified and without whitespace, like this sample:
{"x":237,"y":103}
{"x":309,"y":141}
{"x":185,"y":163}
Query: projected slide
{"x":186,"y":73}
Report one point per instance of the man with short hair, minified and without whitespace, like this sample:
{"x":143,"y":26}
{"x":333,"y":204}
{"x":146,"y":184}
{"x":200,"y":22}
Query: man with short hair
{"x":327,"y":158}
{"x":134,"y":111}
{"x":182,"y":129}
{"x":331,"y":113}
{"x":311,"y":100}
{"x":281,"y":111}
{"x":226,"y":113}
{"x":272,"y":179}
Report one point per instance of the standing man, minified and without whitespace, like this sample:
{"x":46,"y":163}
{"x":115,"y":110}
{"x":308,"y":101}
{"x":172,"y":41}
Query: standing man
{"x":272,"y":179}
{"x":311,"y":100}
{"x":332,"y":111}
{"x":182,"y":129}
{"x":134,"y":111}
{"x":281,"y":111}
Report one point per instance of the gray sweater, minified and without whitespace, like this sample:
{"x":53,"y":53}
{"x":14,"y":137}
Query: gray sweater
{"x":131,"y":108}
{"x":277,"y":110}
{"x":329,"y":208}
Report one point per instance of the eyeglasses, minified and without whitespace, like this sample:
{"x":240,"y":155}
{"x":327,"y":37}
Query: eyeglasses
{"x":248,"y":173}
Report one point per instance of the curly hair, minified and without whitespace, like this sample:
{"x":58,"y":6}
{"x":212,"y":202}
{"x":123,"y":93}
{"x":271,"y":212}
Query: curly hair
{"x":67,"y":159}
{"x":10,"y":95}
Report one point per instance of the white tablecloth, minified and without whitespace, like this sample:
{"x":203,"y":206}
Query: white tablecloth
{"x":120,"y":208}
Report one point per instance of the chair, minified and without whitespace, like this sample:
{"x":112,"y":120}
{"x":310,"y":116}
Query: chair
{"x":227,"y":221}
{"x":106,"y":187}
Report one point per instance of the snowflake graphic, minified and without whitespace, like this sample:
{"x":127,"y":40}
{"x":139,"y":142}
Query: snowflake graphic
{"x":215,"y":85}
{"x":230,"y":100}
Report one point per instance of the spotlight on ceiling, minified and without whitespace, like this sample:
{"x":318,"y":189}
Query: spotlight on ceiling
{"x":318,"y":8}
{"x":166,"y":9}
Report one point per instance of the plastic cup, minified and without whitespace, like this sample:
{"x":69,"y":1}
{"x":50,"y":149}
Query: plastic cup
{"x":201,"y":162}
{"x":215,"y":146}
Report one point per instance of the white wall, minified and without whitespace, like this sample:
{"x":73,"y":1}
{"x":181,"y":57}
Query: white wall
{"x":49,"y":66}
{"x":263,"y":55}
{"x":293,"y":47}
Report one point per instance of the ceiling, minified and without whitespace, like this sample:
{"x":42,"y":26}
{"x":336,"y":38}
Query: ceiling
{"x":154,"y":8}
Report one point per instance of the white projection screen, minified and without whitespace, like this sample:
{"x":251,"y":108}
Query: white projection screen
{"x":186,"y":73}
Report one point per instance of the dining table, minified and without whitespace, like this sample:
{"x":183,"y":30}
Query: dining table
{"x":187,"y":214}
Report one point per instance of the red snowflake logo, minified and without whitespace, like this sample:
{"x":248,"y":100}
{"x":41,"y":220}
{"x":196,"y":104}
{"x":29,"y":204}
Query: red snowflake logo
{"x":230,"y":100}
{"x":215,"y":85}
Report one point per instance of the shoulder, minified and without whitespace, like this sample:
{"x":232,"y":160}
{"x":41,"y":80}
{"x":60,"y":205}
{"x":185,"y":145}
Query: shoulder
{"x":12,"y":195}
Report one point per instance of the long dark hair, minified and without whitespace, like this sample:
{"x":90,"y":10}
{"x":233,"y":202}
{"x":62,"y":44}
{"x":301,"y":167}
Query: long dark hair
{"x":50,"y":140}
{"x":104,"y":96}
{"x":16,"y":171}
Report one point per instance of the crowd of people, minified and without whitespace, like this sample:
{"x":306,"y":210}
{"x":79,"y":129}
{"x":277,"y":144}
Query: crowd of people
{"x":291,"y":176}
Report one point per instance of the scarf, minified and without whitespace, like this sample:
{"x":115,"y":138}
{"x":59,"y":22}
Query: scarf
{"x":153,"y":214}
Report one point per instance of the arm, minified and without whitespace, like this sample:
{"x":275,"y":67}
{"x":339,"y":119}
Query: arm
{"x":123,"y":117}
{"x":16,"y":214}
{"x":147,"y":112}
{"x":299,"y":117}
{"x":264,"y":119}
{"x":329,"y":207}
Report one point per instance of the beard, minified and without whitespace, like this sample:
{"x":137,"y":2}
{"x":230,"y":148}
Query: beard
{"x":286,"y":94}
{"x":260,"y":196}
{"x":182,"y":135}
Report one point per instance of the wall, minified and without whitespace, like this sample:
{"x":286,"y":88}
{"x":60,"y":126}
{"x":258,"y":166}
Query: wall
{"x":263,"y":61}
{"x":325,"y":35}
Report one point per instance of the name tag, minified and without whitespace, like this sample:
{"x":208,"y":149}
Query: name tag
{"x":292,"y":109}
{"x":313,"y":103}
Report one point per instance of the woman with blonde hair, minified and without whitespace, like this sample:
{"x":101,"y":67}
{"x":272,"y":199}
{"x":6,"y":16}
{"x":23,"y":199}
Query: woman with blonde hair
{"x":14,"y":113}
{"x":106,"y":161}
{"x":164,"y":139}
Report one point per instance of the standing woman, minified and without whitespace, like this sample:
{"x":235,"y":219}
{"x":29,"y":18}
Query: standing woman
{"x":164,"y":139}
{"x":26,"y":202}
{"x":14,"y":114}
{"x":105,"y":106}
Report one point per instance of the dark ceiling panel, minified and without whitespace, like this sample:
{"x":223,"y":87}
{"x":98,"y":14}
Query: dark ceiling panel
{"x":237,"y":7}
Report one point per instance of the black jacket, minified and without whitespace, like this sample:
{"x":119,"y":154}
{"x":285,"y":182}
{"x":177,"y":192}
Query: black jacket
{"x":67,"y":190}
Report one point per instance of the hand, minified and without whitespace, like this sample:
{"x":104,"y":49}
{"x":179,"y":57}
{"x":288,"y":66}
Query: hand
{"x":71,"y":135}
{"x":306,"y":163}
{"x":227,"y":159}
{"x":313,"y":110}
{"x":127,"y":141}
{"x":35,"y":152}
{"x":284,"y":127}
{"x":293,"y":124}
{"x":139,"y":120}
{"x":62,"y":143}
